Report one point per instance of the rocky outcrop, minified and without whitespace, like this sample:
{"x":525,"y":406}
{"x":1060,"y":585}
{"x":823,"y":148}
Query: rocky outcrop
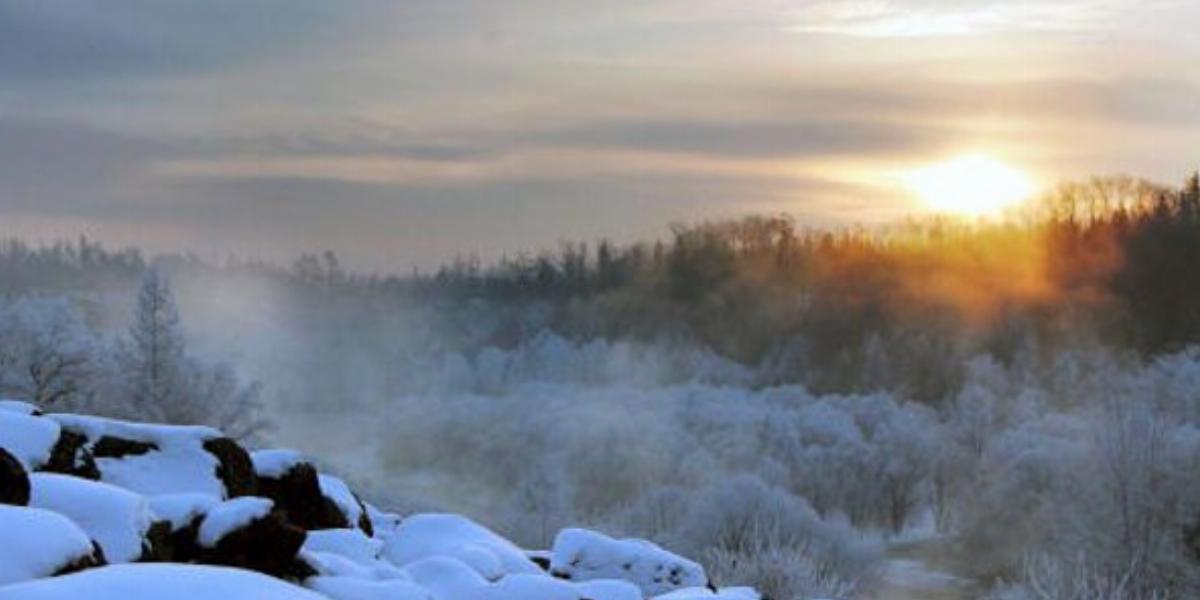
{"x":70,"y":456}
{"x":297,"y":495}
{"x":234,"y":468}
{"x":267,"y":544}
{"x":14,"y":481}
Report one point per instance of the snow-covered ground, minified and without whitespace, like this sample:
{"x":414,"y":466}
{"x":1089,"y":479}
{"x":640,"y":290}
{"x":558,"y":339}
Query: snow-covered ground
{"x":145,"y":511}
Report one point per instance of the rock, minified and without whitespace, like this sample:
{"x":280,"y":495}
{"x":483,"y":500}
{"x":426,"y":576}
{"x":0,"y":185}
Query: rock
{"x":71,"y":457}
{"x":158,"y":545}
{"x":14,"y":481}
{"x":267,"y":544}
{"x":234,"y":468}
{"x":87,"y":561}
{"x":114,"y":447}
{"x":297,"y":495}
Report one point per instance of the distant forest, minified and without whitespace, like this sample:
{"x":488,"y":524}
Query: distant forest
{"x":1114,"y":261}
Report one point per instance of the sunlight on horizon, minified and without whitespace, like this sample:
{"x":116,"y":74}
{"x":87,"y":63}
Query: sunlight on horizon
{"x":972,"y":185}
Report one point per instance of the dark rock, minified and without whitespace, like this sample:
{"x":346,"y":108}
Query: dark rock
{"x":541,"y":561}
{"x":158,"y":545}
{"x":114,"y":447}
{"x":297,"y":495}
{"x":14,"y":481}
{"x":364,"y":520}
{"x":95,"y":559}
{"x":234,"y":467}
{"x":268,"y":545}
{"x":70,"y":456}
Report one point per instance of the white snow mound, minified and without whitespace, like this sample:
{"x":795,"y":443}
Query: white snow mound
{"x":159,"y":582}
{"x":117,"y":519}
{"x":434,"y":534}
{"x":582,"y":555}
{"x":37,"y":543}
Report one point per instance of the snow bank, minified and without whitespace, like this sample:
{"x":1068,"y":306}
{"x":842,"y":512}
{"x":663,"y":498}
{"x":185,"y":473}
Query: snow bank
{"x":609,"y":589}
{"x":38,"y":543}
{"x":274,"y":463}
{"x":229,"y":516}
{"x":425,"y":535}
{"x":117,"y":519}
{"x":350,"y":543}
{"x":730,"y":593}
{"x":18,"y":407}
{"x":581,"y":555}
{"x":30,"y":439}
{"x":348,"y":588}
{"x":176,"y":463}
{"x":159,"y":581}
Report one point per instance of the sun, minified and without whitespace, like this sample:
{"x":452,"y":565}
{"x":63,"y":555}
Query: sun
{"x":973,"y":185}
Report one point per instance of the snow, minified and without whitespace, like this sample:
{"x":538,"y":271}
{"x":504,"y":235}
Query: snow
{"x":17,"y":406}
{"x":347,"y":588}
{"x":179,"y":465}
{"x":449,"y":578}
{"x":350,"y":543}
{"x":335,"y":489}
{"x":425,"y":535}
{"x":703,"y":593}
{"x":181,"y":509}
{"x":230,"y":515}
{"x":609,"y":589}
{"x":384,"y":523}
{"x":274,"y":463}
{"x":30,"y":439}
{"x":159,"y":581}
{"x":37,"y":543}
{"x":582,"y":555}
{"x":117,"y":519}
{"x":336,"y":565}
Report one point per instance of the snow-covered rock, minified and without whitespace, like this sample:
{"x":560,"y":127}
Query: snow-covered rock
{"x":180,"y":510}
{"x":336,"y":490}
{"x":425,"y":535}
{"x":582,"y":555}
{"x":274,"y":463}
{"x":159,"y":582}
{"x":28,"y":438}
{"x":163,"y":459}
{"x":246,"y":533}
{"x":40,"y":543}
{"x":306,"y":499}
{"x":350,"y":543}
{"x":117,"y":519}
{"x":223,"y":518}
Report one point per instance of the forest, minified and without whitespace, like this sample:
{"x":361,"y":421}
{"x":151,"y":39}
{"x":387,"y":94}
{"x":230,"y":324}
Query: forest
{"x":786,"y":404}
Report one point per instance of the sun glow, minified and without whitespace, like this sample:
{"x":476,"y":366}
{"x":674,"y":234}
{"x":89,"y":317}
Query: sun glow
{"x":974,"y":185}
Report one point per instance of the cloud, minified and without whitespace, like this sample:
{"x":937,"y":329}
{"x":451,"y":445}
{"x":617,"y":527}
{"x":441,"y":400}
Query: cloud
{"x":68,"y":41}
{"x":921,"y":18}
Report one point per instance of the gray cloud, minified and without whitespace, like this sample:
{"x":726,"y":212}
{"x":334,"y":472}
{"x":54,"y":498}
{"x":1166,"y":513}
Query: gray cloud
{"x":73,"y":40}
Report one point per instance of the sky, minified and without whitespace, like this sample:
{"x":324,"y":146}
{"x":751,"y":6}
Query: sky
{"x":401,"y":134}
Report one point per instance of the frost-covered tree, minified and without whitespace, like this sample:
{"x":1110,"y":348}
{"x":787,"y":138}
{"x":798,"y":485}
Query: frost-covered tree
{"x":152,"y":355}
{"x":164,"y":384}
{"x":47,"y":352}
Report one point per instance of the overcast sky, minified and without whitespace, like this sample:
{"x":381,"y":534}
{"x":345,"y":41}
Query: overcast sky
{"x":401,"y":133}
